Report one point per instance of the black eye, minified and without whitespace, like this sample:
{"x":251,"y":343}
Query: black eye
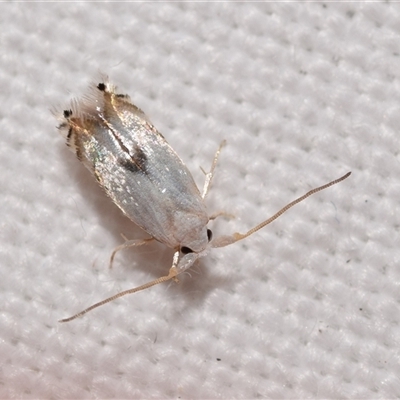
{"x":209,"y":235}
{"x":186,"y":250}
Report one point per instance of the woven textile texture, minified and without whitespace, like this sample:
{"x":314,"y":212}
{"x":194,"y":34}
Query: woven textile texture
{"x":306,"y":308}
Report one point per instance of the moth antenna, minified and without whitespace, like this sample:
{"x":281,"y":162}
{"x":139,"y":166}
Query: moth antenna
{"x":171,"y":275}
{"x":227,"y":240}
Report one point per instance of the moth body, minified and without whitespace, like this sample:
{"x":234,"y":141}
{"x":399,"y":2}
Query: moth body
{"x":147,"y":180}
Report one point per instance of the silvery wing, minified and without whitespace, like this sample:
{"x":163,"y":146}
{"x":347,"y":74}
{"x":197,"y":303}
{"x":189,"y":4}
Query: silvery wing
{"x":138,"y":169}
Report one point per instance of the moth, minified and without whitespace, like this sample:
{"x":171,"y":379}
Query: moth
{"x":147,"y":180}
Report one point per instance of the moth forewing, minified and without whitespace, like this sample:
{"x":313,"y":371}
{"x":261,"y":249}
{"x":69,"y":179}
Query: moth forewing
{"x":138,"y":170}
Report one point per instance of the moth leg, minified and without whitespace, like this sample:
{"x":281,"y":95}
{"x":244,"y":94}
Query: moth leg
{"x":221,"y":214}
{"x":210,"y":174}
{"x":127,"y":244}
{"x":173,"y":272}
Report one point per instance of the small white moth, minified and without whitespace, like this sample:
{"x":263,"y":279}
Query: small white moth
{"x":147,"y":180}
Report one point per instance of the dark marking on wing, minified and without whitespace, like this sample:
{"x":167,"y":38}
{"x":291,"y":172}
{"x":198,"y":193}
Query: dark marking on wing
{"x":101,"y":87}
{"x":129,"y":165}
{"x":136,"y":162}
{"x":120,"y":143}
{"x":78,"y":148}
{"x":67,"y":113}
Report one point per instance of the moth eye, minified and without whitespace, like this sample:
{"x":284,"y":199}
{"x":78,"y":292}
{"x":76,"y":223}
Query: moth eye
{"x":186,"y":250}
{"x":101,"y":87}
{"x":209,"y":235}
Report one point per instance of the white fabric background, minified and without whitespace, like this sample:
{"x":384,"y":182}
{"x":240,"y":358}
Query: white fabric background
{"x":309,"y":306}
